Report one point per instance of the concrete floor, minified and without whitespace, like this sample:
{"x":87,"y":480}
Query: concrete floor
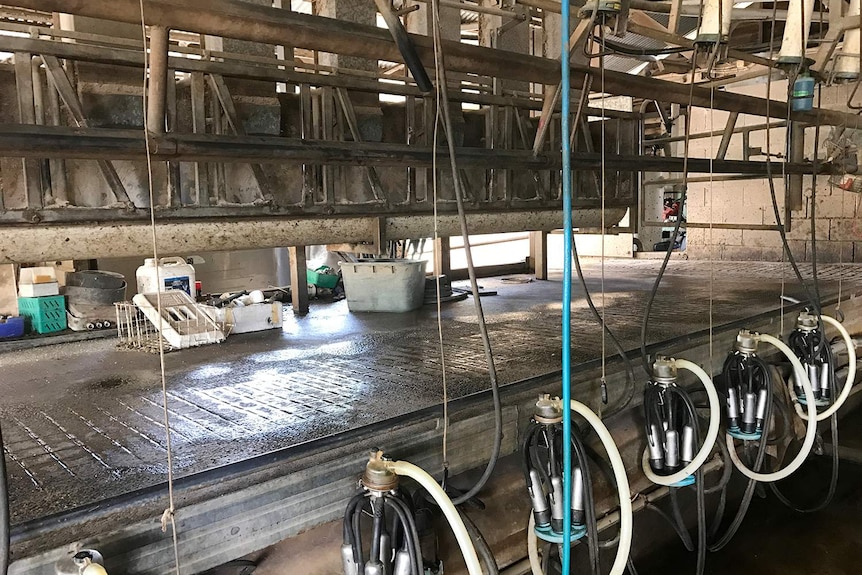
{"x":83,"y":421}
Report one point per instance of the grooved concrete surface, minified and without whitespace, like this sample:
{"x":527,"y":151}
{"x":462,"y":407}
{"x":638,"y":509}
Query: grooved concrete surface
{"x":85,"y":421}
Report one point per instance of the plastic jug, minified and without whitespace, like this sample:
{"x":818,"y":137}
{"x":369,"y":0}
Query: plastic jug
{"x":170,"y":273}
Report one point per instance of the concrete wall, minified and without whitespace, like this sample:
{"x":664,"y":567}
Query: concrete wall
{"x":838,"y":228}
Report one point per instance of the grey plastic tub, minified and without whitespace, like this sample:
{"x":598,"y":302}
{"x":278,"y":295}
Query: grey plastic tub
{"x":384,"y":285}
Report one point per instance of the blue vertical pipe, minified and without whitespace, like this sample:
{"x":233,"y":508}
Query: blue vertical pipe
{"x":565,"y":92}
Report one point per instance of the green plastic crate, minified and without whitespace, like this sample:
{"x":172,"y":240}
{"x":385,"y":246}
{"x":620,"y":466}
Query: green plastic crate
{"x":43,"y":314}
{"x":319,"y":278}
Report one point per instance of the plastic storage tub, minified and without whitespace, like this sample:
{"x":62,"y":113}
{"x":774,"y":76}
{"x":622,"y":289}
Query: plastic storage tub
{"x":384,"y":285}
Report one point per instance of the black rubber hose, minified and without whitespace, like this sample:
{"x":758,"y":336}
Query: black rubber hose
{"x":747,"y":496}
{"x":589,"y":504}
{"x":411,"y":534}
{"x":377,"y":508}
{"x":357,"y":537}
{"x":471,"y":269}
{"x":349,"y":538}
{"x":481,"y":545}
{"x":833,"y":478}
{"x":674,"y":235}
{"x":630,"y":373}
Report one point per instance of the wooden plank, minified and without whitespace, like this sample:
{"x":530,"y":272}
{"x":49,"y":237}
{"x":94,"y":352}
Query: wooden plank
{"x":199,"y":126}
{"x":539,"y":254}
{"x":27,"y":115}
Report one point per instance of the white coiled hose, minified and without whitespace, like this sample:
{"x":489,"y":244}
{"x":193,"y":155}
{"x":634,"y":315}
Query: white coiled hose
{"x":619,"y":469}
{"x":711,"y":433}
{"x":810,"y":432}
{"x":851,"y":373}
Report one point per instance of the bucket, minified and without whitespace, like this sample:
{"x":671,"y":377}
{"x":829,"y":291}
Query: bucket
{"x":170,"y":273}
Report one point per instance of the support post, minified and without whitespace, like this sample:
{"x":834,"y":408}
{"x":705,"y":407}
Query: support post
{"x":442,"y":257}
{"x":298,"y":280}
{"x":539,"y":254}
{"x":796,"y":139}
{"x":157,"y":89}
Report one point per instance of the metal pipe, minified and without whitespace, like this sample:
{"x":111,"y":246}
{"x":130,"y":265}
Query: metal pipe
{"x":98,"y":143}
{"x":468,"y":7}
{"x":157,"y":87}
{"x":405,"y":46}
{"x":796,"y":145}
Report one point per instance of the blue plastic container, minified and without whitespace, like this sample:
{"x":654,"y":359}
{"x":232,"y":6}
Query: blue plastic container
{"x":12,"y":327}
{"x":803,"y":94}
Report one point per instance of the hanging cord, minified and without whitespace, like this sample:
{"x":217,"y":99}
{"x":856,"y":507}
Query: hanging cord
{"x":629,"y":391}
{"x":439,"y":257}
{"x":604,"y":380}
{"x":676,"y":228}
{"x":169,"y":514}
{"x":471,"y":270}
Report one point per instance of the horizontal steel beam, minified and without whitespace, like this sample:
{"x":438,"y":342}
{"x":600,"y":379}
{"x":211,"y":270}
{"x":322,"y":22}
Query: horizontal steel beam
{"x":233,"y":19}
{"x":26,"y":243}
{"x":57,"y":142}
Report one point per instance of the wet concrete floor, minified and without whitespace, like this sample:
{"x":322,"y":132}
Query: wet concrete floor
{"x":84,"y":421}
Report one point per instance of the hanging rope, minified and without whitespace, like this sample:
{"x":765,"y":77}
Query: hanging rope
{"x":169,"y":515}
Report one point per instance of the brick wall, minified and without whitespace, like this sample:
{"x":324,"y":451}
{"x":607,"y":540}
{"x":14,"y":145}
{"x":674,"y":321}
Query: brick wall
{"x":838,"y":225}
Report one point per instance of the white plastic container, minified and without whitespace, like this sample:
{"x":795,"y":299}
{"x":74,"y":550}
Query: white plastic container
{"x":384,"y":285}
{"x":171,"y":273}
{"x":246,"y":319}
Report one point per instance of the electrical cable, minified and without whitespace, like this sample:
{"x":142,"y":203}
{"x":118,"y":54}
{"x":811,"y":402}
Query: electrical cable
{"x":443,"y":98}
